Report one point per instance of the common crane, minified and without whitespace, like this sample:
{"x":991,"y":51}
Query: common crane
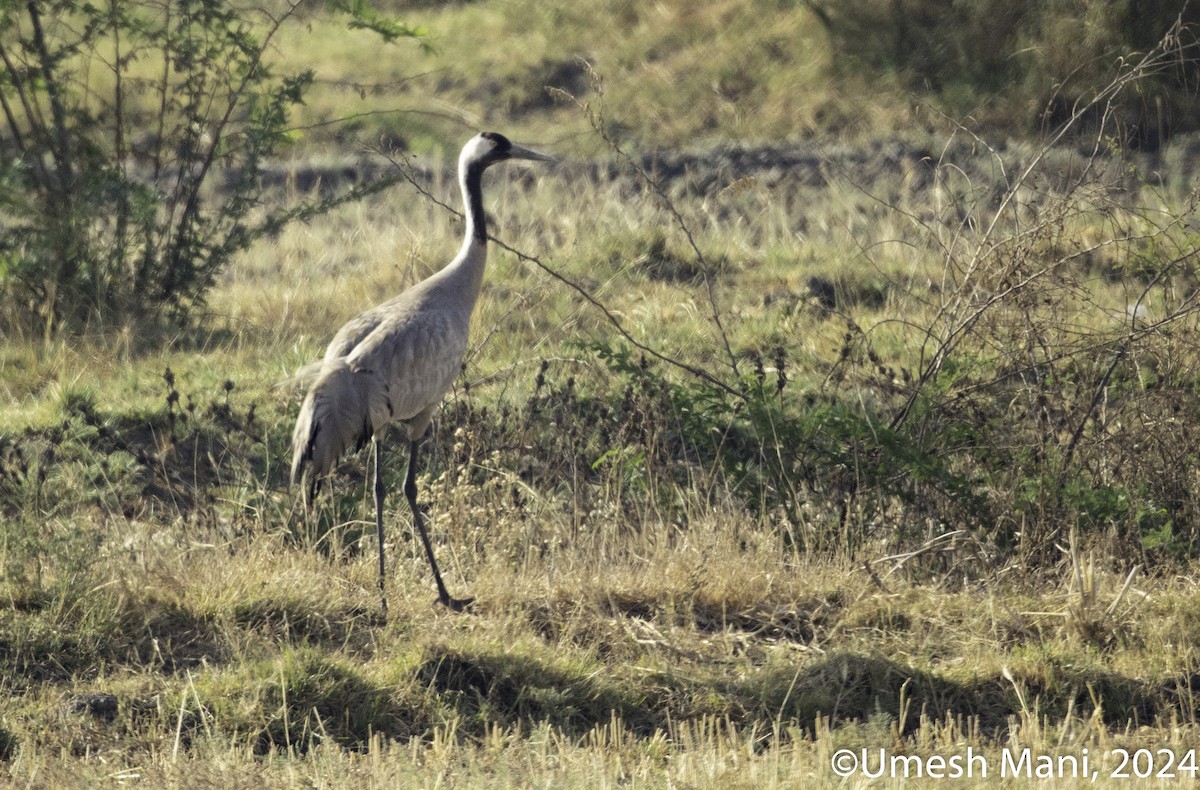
{"x":395,"y":361}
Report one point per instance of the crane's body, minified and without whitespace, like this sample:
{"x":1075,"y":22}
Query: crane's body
{"x":395,"y":361}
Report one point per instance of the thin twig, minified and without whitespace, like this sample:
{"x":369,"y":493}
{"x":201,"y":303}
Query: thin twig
{"x":596,"y":121}
{"x":875,"y":577}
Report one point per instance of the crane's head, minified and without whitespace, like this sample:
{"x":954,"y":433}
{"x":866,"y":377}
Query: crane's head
{"x":488,"y":148}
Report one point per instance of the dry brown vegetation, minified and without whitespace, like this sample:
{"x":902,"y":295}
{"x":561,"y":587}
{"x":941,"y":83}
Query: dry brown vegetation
{"x":760,"y":452}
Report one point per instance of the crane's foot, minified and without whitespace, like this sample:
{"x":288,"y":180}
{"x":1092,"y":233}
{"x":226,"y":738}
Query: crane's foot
{"x":456,"y":604}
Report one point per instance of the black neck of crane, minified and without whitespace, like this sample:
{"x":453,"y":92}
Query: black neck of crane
{"x":474,"y":185}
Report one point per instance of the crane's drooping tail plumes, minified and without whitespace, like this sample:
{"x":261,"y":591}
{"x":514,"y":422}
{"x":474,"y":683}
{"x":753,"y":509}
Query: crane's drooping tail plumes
{"x":341,"y":412}
{"x":396,"y":360}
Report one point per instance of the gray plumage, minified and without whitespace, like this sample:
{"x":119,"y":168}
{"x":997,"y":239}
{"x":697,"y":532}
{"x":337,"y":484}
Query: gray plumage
{"x":395,"y":361}
{"x":392,"y":362}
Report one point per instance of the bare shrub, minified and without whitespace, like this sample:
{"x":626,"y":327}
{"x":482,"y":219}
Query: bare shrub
{"x":1042,"y":382}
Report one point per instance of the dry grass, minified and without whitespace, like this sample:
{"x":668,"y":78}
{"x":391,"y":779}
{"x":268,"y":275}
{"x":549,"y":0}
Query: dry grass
{"x":675,"y":587}
{"x":691,"y":660}
{"x":633,"y":626}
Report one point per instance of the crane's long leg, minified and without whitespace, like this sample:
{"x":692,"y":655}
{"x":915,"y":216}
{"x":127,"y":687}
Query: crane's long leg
{"x":410,"y":491}
{"x":378,"y":447}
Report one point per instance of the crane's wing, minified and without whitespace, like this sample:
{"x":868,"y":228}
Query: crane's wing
{"x":360,"y":327}
{"x":352,"y":333}
{"x":417,"y":354}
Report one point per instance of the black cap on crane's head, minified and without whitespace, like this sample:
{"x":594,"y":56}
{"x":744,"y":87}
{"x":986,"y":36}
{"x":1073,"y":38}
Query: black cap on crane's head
{"x":499,"y":142}
{"x":491,"y":147}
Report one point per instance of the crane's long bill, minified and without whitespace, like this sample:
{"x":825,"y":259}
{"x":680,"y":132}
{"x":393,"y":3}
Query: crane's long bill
{"x":518,"y":152}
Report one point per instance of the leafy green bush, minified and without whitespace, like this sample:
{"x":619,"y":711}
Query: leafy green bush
{"x":134,"y":137}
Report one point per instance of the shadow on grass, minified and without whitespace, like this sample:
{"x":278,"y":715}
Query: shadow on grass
{"x":493,"y":689}
{"x":41,"y":647}
{"x":489,"y":690}
{"x":305,"y":697}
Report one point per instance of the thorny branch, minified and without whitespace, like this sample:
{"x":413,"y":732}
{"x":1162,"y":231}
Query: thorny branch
{"x":963,"y":309}
{"x":596,"y":121}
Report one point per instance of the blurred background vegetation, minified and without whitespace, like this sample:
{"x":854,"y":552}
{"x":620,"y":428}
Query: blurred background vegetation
{"x":697,"y":73}
{"x":777,"y":69}
{"x":105,"y":106}
{"x":1018,"y":68}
